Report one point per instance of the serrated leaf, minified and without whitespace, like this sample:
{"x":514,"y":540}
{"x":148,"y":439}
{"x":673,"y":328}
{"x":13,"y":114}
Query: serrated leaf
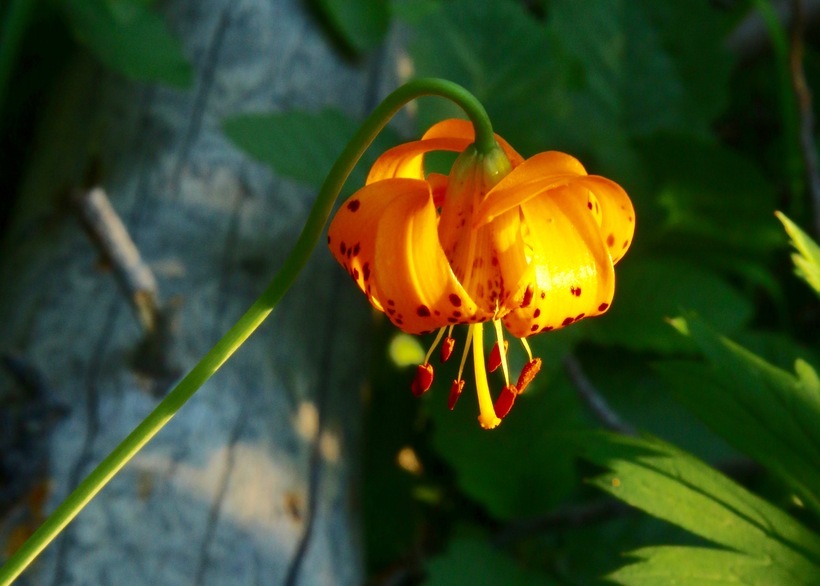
{"x":130,"y":37}
{"x":470,"y":562}
{"x":807,"y":258}
{"x":361,"y":24}
{"x":762,"y":410}
{"x":674,"y":486}
{"x":698,"y":566}
{"x":523,"y":467}
{"x":648,"y":292}
{"x":302,"y":145}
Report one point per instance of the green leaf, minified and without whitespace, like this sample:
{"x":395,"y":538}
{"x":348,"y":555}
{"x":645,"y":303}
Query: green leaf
{"x":523,"y":467}
{"x":361,"y":24}
{"x":807,"y":258}
{"x":674,"y":486}
{"x":761,"y":410}
{"x":130,"y":37}
{"x":661,"y":566}
{"x":301,"y":145}
{"x":500,"y":53}
{"x":651,"y":291}
{"x":471,"y":561}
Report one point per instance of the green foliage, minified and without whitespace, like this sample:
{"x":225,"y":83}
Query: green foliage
{"x":359,"y":24}
{"x":130,"y":37}
{"x":474,"y":562}
{"x":301,"y":145}
{"x":807,"y":258}
{"x":763,"y":411}
{"x":766,"y":544}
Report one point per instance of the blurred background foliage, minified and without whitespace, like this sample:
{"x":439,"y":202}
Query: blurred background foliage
{"x":695,"y":399}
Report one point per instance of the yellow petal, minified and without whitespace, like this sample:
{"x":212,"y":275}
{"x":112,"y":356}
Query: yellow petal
{"x":537,"y":174}
{"x":407,"y":160}
{"x":352,"y":232}
{"x":410,"y":275}
{"x":617,"y":216}
{"x":463,"y":129}
{"x":570,"y":272}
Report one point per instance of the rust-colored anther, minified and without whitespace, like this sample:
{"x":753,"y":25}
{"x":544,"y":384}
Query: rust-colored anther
{"x":447,"y":349}
{"x":494,"y":360}
{"x":423,"y":379}
{"x":528,"y":373}
{"x":505,"y":401}
{"x":455,"y":393}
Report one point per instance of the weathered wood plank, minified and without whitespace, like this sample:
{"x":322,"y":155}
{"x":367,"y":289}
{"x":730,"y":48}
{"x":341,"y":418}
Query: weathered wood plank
{"x":254,"y":480}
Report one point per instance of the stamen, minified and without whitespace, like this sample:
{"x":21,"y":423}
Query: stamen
{"x":433,"y":346}
{"x":423,"y":379}
{"x":528,"y":373}
{"x":447,"y":348}
{"x":526,"y":347}
{"x":455,"y":393}
{"x":487,"y":417}
{"x":499,"y":334}
{"x":505,"y":401}
{"x":466,"y":351}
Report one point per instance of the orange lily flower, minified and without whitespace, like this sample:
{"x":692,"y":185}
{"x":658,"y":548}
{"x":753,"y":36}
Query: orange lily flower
{"x":529,"y":244}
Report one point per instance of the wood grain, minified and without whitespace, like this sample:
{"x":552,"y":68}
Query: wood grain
{"x":254,"y":481}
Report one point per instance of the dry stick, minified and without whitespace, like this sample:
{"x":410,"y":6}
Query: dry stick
{"x":593,"y":399}
{"x":111,"y":237}
{"x":804,"y":110}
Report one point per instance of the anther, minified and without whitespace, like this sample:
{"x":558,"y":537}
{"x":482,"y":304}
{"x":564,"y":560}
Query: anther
{"x":423,"y":379}
{"x":528,"y":373}
{"x":455,"y":392}
{"x":494,"y":360}
{"x":447,"y":349}
{"x":505,"y":401}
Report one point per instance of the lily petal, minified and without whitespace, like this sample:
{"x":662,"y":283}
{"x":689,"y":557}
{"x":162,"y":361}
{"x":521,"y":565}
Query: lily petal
{"x":617,"y":216}
{"x":463,"y":129}
{"x":537,"y":174}
{"x":571,"y":273}
{"x":411,"y":276}
{"x":407,"y":160}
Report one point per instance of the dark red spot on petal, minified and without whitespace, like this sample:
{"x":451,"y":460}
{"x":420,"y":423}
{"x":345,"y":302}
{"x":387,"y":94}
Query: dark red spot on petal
{"x":353,"y":205}
{"x":455,"y":300}
{"x":366,"y":271}
{"x":355,"y":274}
{"x":546,"y":329}
{"x":603,"y":307}
{"x":575,"y":291}
{"x":536,"y":313}
{"x":579,"y":316}
{"x":356,"y":249}
{"x":423,"y":311}
{"x":527,"y":296}
{"x":391,"y":302}
{"x":610,"y":240}
{"x":342,"y":248}
{"x":626,"y":243}
{"x":456,"y":314}
{"x":534,"y":328}
{"x":567,"y":321}
{"x":589,"y":205}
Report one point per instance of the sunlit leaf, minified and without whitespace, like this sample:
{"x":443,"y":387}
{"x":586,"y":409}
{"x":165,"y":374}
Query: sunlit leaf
{"x":676,"y":487}
{"x":130,"y":37}
{"x":807,"y":258}
{"x":762,"y":410}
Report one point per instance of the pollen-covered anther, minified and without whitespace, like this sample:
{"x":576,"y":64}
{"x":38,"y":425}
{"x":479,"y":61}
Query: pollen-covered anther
{"x":494,"y":360}
{"x":423,"y":379}
{"x":455,"y":392}
{"x":447,"y":347}
{"x":528,"y":373}
{"x":505,"y":401}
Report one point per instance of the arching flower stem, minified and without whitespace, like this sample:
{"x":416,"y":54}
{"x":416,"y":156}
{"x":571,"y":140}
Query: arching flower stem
{"x":484,"y":143}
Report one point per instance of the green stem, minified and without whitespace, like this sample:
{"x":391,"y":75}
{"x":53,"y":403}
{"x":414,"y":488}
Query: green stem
{"x":15,"y":22}
{"x":257,"y":313}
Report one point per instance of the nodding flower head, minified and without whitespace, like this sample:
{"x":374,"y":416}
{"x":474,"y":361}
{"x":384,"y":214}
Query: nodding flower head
{"x":528,"y":245}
